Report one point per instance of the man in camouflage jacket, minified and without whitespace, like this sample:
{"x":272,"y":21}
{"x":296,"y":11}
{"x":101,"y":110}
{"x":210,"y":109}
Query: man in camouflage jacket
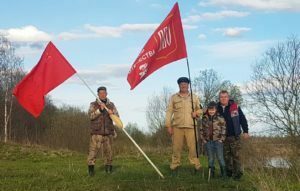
{"x":102,"y":130}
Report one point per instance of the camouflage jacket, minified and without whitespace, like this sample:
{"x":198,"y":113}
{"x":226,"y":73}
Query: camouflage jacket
{"x":213,"y":128}
{"x":101,"y":123}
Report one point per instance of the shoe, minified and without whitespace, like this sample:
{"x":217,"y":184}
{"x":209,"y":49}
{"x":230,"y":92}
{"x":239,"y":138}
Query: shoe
{"x":174,"y":172}
{"x":228,"y":173}
{"x":197,"y":171}
{"x":108,"y":169}
{"x":223,"y":171}
{"x":91,"y":170}
{"x":238,"y":176}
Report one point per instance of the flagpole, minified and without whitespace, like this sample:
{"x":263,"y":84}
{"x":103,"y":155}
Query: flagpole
{"x":126,"y":133}
{"x":193,"y":108}
{"x":139,"y":148}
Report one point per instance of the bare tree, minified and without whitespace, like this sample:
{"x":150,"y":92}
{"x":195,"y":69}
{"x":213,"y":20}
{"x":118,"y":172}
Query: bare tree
{"x":10,"y":73}
{"x":156,"y":110}
{"x":156,"y":114}
{"x":138,"y":135}
{"x":208,"y":85}
{"x":234,"y":91}
{"x":274,"y":89}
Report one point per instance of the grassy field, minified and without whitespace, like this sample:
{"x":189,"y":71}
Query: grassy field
{"x":39,"y":168}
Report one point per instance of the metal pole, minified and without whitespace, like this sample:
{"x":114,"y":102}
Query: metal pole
{"x":132,"y":140}
{"x":195,"y":131}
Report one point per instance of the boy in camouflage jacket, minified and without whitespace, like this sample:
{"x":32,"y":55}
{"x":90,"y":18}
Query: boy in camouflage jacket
{"x":213,"y":134}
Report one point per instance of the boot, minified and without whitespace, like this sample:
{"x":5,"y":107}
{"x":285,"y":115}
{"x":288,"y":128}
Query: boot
{"x":223,"y":171}
{"x":228,"y":172}
{"x":174,"y":172}
{"x":108,"y":168}
{"x":91,"y":170}
{"x":238,"y":176}
{"x":196,"y":171}
{"x":212,"y":171}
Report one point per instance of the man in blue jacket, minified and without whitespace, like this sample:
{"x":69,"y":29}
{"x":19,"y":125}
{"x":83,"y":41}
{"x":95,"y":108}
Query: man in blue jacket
{"x":236,"y":124}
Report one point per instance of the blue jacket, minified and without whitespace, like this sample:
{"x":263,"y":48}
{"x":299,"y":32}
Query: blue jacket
{"x":235,"y":119}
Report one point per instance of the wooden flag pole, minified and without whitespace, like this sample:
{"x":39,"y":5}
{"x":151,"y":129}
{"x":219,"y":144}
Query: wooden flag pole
{"x":139,"y":148}
{"x":123,"y":129}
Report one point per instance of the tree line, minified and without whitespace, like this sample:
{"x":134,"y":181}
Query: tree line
{"x":271,"y":97}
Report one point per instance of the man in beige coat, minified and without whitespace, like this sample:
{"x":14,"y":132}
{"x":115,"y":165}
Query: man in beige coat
{"x":179,"y":123}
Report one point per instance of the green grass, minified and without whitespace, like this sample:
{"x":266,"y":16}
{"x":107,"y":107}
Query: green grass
{"x":39,"y":168}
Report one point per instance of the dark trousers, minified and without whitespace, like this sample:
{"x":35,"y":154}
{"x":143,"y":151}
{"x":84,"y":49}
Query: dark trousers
{"x":232,"y":148}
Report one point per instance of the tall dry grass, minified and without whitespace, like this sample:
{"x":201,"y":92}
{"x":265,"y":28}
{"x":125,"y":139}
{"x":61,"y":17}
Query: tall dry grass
{"x":256,"y":153}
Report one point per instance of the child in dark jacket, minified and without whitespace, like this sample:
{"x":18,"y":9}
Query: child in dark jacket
{"x":213,"y":133}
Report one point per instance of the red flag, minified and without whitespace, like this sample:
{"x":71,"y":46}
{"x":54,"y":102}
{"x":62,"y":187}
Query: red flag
{"x":164,"y":46}
{"x":51,"y":70}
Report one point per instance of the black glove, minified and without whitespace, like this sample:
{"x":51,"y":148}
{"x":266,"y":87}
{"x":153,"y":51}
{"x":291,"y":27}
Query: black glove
{"x":101,"y":110}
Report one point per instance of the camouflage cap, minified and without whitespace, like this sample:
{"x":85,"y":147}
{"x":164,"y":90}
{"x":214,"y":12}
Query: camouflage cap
{"x":212,"y":105}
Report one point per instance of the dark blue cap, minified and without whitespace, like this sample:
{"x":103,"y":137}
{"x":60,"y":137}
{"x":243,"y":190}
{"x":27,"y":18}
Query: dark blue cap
{"x":183,"y":79}
{"x":101,"y":88}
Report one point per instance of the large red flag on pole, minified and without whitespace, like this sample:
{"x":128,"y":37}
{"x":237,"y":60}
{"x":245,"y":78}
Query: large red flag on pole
{"x":166,"y":45}
{"x":51,"y":70}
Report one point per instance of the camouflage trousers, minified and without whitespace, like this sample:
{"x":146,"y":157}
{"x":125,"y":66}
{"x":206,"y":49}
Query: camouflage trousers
{"x":232,"y":147}
{"x":96,"y":143}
